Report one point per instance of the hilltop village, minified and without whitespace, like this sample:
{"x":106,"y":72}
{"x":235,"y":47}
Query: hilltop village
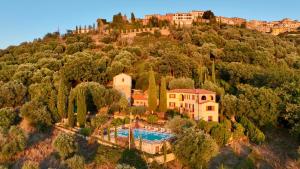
{"x":187,"y":19}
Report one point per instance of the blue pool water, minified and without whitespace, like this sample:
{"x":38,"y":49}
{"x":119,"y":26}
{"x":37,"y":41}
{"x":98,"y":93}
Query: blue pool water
{"x":146,"y":135}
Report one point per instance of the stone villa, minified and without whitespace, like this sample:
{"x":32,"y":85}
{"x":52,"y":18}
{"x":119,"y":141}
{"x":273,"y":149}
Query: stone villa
{"x":195,"y":103}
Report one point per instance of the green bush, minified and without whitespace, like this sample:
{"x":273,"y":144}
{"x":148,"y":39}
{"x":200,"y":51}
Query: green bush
{"x":8,"y":117}
{"x":124,"y":166}
{"x":206,"y":126}
{"x":99,"y":120}
{"x":171,"y":113}
{"x":238,"y":130}
{"x":117,"y":122}
{"x":254,"y":134}
{"x":85,"y":131}
{"x":30,"y":165}
{"x":245,"y":164}
{"x":152,"y":118}
{"x":133,"y":158}
{"x":221,"y":134}
{"x":75,"y":162}
{"x":12,"y":142}
{"x":65,"y":145}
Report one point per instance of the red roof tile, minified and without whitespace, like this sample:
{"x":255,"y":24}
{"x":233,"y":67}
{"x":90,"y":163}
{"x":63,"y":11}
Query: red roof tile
{"x":139,"y":97}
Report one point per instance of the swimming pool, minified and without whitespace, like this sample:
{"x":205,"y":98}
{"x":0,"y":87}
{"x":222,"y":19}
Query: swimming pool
{"x":146,"y":134}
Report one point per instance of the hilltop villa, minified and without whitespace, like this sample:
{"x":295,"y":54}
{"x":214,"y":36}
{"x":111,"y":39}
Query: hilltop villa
{"x":196,"y":103}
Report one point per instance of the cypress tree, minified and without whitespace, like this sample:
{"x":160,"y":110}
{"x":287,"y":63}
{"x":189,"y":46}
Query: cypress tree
{"x":141,"y":143}
{"x":201,"y":76}
{"x":165,"y":151}
{"x":116,"y":134}
{"x":213,"y":72}
{"x":52,"y":106}
{"x":62,"y":99}
{"x":152,"y":97}
{"x":71,"y":118}
{"x":163,"y":96}
{"x":81,"y":107}
{"x":108,"y":133}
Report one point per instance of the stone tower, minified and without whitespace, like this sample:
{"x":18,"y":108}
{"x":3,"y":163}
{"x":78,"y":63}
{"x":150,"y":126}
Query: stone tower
{"x":122,"y":82}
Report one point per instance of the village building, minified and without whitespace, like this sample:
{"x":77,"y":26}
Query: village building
{"x":123,"y":83}
{"x":196,"y":103}
{"x":140,"y":98}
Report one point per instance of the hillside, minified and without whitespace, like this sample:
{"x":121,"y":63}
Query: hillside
{"x":256,"y":76}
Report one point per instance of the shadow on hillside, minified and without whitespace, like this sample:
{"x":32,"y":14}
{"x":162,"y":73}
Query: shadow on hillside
{"x":51,"y":161}
{"x":86,"y":149}
{"x":133,"y":158}
{"x":39,"y":136}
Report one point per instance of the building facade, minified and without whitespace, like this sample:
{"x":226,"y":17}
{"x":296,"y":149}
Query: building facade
{"x":196,"y":103}
{"x":140,"y":98}
{"x":122,"y":82}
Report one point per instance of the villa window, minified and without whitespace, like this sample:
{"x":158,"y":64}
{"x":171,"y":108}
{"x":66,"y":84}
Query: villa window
{"x":123,"y":80}
{"x":211,"y":97}
{"x":193,"y":97}
{"x":172,"y":96}
{"x":203,"y":98}
{"x":210,"y":108}
{"x":210,"y":118}
{"x":171,"y":104}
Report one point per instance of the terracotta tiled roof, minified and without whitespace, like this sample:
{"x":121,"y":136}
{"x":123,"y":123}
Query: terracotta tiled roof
{"x":192,"y":91}
{"x":139,"y":97}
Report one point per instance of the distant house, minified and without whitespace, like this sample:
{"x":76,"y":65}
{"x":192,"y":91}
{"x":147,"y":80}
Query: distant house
{"x":196,"y":103}
{"x":140,"y":98}
{"x":123,"y":83}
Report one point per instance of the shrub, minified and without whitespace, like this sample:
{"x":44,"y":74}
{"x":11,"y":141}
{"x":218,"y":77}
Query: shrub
{"x":75,"y":162}
{"x":254,"y":134}
{"x":171,"y":114}
{"x":178,"y":124}
{"x":133,"y":158}
{"x":195,"y":148}
{"x":221,"y":134}
{"x":152,"y":118}
{"x":117,"y":122}
{"x":124,"y":166}
{"x":8,"y":117}
{"x":85,"y":131}
{"x":99,"y":120}
{"x":206,"y":126}
{"x":238,"y":130}
{"x":245,"y":164}
{"x":30,"y":165}
{"x":65,"y":145}
{"x":12,"y":142}
{"x":107,"y":155}
{"x":181,"y":83}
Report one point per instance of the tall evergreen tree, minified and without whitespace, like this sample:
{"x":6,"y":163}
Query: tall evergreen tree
{"x":62,"y":99}
{"x":71,"y":118}
{"x":76,"y":29}
{"x":152,"y":96}
{"x":52,"y":105}
{"x":163,"y":96}
{"x":81,"y":107}
{"x":213,"y":72}
{"x":132,"y":17}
